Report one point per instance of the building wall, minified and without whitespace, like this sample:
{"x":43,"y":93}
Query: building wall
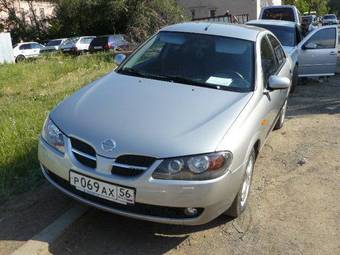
{"x":43,"y":9}
{"x":204,"y":8}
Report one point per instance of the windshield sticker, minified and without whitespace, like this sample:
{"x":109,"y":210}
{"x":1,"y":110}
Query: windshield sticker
{"x":219,"y":81}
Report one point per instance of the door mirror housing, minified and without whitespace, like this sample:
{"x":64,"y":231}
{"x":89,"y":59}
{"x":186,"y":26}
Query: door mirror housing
{"x":277,"y":82}
{"x":310,"y":46}
{"x":119,"y":58}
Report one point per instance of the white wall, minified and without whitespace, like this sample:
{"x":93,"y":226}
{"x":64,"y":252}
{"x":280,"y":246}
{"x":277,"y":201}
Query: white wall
{"x":202,"y":7}
{"x":6,"y":51}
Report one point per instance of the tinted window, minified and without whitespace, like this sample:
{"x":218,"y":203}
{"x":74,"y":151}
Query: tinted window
{"x":36,"y":46}
{"x":268,"y":60}
{"x":279,"y":53}
{"x":332,"y":16}
{"x":279,"y":14}
{"x":195,"y":59}
{"x":286,"y":35}
{"x":54,"y":43}
{"x":99,"y":41}
{"x":324,"y":39}
{"x":25,"y":47}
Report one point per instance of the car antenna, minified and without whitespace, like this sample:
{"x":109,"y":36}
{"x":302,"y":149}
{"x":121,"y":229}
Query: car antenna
{"x":206,"y":28}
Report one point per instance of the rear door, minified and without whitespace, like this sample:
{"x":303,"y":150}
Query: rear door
{"x":318,"y":52}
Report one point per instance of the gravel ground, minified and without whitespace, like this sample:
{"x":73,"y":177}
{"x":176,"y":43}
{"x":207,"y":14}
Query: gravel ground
{"x":294,"y":205}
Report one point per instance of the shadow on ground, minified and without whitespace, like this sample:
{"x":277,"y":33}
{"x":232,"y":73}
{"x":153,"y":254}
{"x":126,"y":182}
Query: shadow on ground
{"x":310,"y":99}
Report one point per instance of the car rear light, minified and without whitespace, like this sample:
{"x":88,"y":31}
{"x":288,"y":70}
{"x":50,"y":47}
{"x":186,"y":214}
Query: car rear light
{"x":107,"y":46}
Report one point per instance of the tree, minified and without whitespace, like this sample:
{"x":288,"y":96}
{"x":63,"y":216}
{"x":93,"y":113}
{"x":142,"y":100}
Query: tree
{"x":22,"y":25}
{"x":335,"y":6}
{"x":138,"y":18}
{"x":320,"y":6}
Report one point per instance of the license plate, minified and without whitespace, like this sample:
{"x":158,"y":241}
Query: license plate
{"x":102,"y":189}
{"x":97,"y":47}
{"x":67,"y":49}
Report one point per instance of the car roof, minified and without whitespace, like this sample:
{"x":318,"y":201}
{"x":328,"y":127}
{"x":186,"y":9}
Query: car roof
{"x":281,"y":23}
{"x":279,"y":6}
{"x":221,"y":29}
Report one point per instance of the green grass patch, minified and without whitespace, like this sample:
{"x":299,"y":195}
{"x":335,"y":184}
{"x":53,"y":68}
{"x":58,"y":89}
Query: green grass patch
{"x":28,"y":91}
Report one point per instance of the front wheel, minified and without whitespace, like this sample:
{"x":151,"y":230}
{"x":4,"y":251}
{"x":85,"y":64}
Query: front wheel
{"x":20,"y":58}
{"x":240,"y":202}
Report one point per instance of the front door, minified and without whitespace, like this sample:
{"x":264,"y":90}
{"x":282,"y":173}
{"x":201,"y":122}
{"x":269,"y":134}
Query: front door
{"x":318,"y":52}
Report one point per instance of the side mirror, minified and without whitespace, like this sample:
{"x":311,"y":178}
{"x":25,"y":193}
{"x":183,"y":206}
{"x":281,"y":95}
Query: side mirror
{"x":310,"y":46}
{"x":276,"y":82}
{"x":119,"y":58}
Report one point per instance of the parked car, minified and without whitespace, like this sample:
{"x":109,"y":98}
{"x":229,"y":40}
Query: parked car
{"x":26,"y":50}
{"x":330,"y":19}
{"x":281,"y":12}
{"x":108,"y":42}
{"x":173,"y":133}
{"x":313,"y":55}
{"x":77,"y":45}
{"x":290,"y":35}
{"x":53,"y":45}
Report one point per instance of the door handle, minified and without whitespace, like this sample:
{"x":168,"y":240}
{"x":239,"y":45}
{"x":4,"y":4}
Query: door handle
{"x":333,"y":53}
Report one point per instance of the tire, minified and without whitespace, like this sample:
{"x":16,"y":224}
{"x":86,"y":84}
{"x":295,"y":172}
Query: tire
{"x":295,"y":80}
{"x":281,"y":120}
{"x":20,"y":58}
{"x":240,"y":202}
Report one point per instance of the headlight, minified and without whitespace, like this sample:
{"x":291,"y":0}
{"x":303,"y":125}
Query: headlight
{"x":53,"y":136}
{"x":199,"y":167}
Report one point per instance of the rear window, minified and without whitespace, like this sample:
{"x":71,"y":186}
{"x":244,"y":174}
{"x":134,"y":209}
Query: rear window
{"x":54,"y":43}
{"x":329,"y":16}
{"x":279,"y":14}
{"x":286,"y":35}
{"x":99,"y":41}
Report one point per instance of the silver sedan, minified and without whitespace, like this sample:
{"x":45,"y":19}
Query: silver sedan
{"x":173,"y":133}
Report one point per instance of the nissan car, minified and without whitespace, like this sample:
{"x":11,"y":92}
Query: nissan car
{"x":172,"y":134}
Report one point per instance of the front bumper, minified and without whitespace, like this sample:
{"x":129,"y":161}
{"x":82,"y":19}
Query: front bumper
{"x":156,"y":200}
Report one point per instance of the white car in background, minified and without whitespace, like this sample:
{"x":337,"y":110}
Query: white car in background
{"x":313,"y":55}
{"x":77,"y":45}
{"x":26,"y":50}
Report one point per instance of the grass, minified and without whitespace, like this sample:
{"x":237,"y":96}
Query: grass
{"x":28,"y":91}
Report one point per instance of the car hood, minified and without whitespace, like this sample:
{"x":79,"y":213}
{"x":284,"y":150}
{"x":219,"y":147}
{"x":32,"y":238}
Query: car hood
{"x":149,"y":117}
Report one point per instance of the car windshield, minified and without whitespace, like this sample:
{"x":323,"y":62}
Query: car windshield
{"x":286,"y":35}
{"x":54,"y":43}
{"x":195,"y":59}
{"x":329,"y":16}
{"x":70,"y":41}
{"x":279,"y":14}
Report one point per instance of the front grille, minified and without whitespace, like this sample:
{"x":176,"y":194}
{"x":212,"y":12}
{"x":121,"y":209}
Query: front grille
{"x":137,"y":208}
{"x":136,"y":160}
{"x":84,"y":153}
{"x":131,"y":165}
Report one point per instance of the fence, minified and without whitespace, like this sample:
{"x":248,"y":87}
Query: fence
{"x":228,"y":18}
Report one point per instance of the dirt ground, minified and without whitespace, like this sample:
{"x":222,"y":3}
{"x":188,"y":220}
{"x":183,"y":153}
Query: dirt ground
{"x":294,"y":205}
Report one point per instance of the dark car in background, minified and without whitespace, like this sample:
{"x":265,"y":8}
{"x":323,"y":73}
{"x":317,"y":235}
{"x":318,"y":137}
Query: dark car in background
{"x":53,"y":45}
{"x":109,"y":42}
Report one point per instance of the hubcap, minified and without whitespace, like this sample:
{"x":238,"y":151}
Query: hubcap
{"x":247,"y":182}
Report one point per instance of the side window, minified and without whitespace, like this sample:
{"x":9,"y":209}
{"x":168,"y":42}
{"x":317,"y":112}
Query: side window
{"x":268,"y":60}
{"x":279,"y":53}
{"x":324,"y":39}
{"x":25,"y":47}
{"x":35,"y":46}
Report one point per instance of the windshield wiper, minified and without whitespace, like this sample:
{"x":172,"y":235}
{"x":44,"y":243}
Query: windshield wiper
{"x":184,"y":80}
{"x":132,"y":71}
